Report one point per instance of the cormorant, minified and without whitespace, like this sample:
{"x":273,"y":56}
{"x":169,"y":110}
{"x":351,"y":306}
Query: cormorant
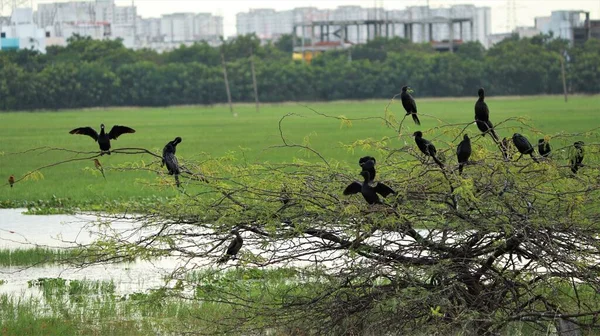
{"x":99,"y":167}
{"x":544,"y":148}
{"x":233,"y":249}
{"x":408,"y":102}
{"x":103,"y":139}
{"x":368,"y":163}
{"x":482,"y":116}
{"x":463,"y":152}
{"x":368,"y":192}
{"x":523,"y":146}
{"x":169,"y":159}
{"x":11,"y":180}
{"x":427,"y":147}
{"x":577,"y":156}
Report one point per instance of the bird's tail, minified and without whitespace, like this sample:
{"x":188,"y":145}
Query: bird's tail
{"x":494,"y":135}
{"x":416,"y":119}
{"x":223,"y":259}
{"x":177,"y":180}
{"x":574,"y":167}
{"x":534,"y":158}
{"x":437,"y":161}
{"x":460,"y":168}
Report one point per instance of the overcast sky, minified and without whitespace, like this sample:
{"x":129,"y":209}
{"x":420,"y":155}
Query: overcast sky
{"x":526,"y":9}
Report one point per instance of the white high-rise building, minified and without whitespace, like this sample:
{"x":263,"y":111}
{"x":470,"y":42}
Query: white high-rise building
{"x":560,"y":23}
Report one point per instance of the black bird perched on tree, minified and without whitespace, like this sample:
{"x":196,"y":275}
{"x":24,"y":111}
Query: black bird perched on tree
{"x":233,"y":249}
{"x":544,"y":147}
{"x":368,"y":192}
{"x":408,"y":102}
{"x":482,"y":116}
{"x":427,"y":147}
{"x":576,"y":157}
{"x":523,"y":146}
{"x":169,"y":159}
{"x":368,"y":163}
{"x":103,"y":139}
{"x":463,"y":152}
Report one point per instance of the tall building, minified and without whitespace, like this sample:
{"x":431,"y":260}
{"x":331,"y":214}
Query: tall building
{"x":102,"y":19}
{"x":561,"y":23}
{"x":270,"y":24}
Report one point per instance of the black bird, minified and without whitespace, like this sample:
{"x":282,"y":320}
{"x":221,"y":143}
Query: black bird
{"x":463,"y":152}
{"x":577,"y":156}
{"x":523,"y":146}
{"x":368,"y":192}
{"x":233,"y":249}
{"x":544,"y":148}
{"x":408,"y":102}
{"x":103,"y":139}
{"x":169,"y":159}
{"x":368,"y":163}
{"x":482,"y":116}
{"x":427,"y":147}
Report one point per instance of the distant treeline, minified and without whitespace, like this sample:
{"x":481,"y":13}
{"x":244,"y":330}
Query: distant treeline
{"x":88,"y":73}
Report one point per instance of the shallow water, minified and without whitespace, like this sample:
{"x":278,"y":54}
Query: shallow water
{"x":59,"y":231}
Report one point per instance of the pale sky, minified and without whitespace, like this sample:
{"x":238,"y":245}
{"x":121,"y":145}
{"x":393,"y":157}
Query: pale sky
{"x":526,"y":9}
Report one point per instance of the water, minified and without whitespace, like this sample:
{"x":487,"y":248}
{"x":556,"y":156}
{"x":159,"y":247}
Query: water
{"x":62,"y":231}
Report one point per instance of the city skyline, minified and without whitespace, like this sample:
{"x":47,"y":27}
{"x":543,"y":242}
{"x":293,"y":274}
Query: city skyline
{"x":526,"y":10}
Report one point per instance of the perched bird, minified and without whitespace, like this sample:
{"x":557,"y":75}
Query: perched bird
{"x":99,"y":167}
{"x":368,"y":192}
{"x":427,"y":147}
{"x":103,"y":139}
{"x":544,"y":147}
{"x":463,"y":152}
{"x":11,"y":180}
{"x":523,"y":146}
{"x":368,"y":163}
{"x":233,"y":249}
{"x":409,"y":104}
{"x":576,"y":156}
{"x":169,"y":159}
{"x":482,"y":116}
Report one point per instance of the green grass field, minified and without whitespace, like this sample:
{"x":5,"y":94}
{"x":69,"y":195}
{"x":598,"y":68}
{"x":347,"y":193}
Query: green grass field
{"x":213,"y":131}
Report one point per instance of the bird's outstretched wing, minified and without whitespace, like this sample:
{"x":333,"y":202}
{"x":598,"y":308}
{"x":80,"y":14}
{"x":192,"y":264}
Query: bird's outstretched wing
{"x":383,"y":189}
{"x":86,"y":131}
{"x":352,"y":188}
{"x":118,"y":130}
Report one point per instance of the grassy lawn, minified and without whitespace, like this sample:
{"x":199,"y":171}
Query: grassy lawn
{"x":213,"y":131}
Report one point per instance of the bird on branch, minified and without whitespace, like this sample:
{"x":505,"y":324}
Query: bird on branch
{"x":544,"y":148}
{"x":103,"y":138}
{"x":463,"y":152}
{"x":369,"y":192}
{"x":523,"y":146}
{"x":233,"y":249}
{"x":408,"y":102}
{"x":169,"y":159}
{"x":11,"y":180}
{"x":427,"y":147}
{"x":576,"y":156}
{"x":482,"y":116}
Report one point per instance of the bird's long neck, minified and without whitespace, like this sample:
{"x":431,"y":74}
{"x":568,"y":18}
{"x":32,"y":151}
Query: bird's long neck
{"x":102,"y":131}
{"x":481,"y":98}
